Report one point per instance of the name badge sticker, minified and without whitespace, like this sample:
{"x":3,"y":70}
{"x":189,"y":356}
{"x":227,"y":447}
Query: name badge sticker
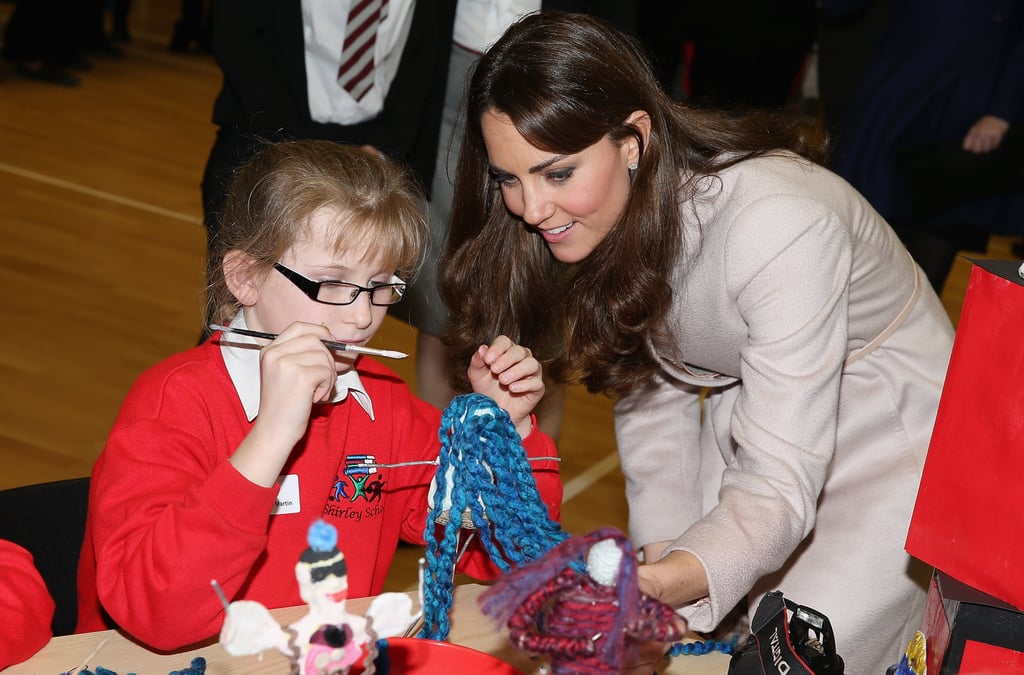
{"x":287,"y":496}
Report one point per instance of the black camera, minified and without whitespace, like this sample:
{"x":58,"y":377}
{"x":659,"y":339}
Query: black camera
{"x":798,"y":643}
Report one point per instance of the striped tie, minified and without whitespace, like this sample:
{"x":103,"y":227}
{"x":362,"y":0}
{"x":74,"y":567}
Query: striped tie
{"x":356,"y":71}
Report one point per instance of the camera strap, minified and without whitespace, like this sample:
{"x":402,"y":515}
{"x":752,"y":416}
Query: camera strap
{"x":797,"y":642}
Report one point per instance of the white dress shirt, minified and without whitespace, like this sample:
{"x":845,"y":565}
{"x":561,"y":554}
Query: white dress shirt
{"x":479,"y":23}
{"x":323,"y":30}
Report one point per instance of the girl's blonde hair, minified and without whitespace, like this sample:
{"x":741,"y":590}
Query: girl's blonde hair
{"x":272,"y":197}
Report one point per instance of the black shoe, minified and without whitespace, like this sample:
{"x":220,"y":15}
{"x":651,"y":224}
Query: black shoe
{"x":181,"y":38}
{"x":77,"y":63}
{"x":121,"y":34}
{"x":106,"y":50}
{"x":48,"y":73}
{"x":205,"y":42}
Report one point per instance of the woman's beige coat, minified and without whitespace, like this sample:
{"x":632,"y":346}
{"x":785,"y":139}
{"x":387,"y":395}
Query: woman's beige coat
{"x":822,"y":351}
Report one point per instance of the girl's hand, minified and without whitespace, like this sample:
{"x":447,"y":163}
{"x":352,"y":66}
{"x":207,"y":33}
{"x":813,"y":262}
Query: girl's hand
{"x":509,"y":374}
{"x":296,"y":371}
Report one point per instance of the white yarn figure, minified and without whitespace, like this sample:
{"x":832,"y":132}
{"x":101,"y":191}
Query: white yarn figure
{"x":328,"y":639}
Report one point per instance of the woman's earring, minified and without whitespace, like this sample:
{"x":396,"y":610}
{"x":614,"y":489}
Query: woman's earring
{"x":631,"y":169}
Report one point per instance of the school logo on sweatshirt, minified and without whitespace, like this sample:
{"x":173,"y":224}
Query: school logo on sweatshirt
{"x":358,"y":492}
{"x":360,"y":480}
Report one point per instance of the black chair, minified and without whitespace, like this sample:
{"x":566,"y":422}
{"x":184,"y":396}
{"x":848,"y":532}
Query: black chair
{"x":48,"y":519}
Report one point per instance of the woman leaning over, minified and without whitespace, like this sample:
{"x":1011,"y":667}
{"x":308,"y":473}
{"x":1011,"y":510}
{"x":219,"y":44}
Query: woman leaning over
{"x":653,"y":252}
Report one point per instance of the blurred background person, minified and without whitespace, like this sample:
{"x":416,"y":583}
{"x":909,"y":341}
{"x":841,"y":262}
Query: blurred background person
{"x":192,"y":29}
{"x":847,"y":33}
{"x":43,"y":43}
{"x":731,"y":53}
{"x":930,"y":137}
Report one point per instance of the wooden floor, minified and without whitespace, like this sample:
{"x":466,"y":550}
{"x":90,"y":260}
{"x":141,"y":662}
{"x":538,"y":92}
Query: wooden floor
{"x":102,"y":255}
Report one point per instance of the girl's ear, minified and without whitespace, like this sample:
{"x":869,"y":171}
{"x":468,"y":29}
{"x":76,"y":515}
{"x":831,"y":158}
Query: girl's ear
{"x":240,"y":274}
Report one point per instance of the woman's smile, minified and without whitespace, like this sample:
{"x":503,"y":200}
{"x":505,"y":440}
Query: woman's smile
{"x":558,"y":234}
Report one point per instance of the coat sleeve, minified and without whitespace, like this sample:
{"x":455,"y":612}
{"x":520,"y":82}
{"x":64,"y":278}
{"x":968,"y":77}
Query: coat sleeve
{"x":787,"y":267}
{"x":25,"y":604}
{"x":657,"y":430}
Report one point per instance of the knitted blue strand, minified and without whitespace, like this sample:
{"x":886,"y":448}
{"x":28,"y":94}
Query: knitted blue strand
{"x":492,"y":481}
{"x":702,"y":647}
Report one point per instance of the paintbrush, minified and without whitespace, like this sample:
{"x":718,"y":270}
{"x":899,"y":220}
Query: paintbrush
{"x":330,"y":344}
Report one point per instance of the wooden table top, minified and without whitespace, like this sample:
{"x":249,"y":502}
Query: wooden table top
{"x":469,"y":628}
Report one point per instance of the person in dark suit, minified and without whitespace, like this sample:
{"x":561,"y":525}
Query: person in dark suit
{"x":192,"y":29}
{"x":259,"y":45}
{"x":846,"y":40}
{"x":932,"y":137}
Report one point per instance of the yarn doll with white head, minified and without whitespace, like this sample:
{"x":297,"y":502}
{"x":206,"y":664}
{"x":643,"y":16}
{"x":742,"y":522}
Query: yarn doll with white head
{"x":586,"y":616}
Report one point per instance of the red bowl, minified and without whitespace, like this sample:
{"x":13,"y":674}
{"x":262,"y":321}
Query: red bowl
{"x":417,"y":656}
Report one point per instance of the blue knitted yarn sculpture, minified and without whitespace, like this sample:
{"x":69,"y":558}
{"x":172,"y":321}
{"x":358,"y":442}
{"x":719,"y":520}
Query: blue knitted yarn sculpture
{"x":486,"y":479}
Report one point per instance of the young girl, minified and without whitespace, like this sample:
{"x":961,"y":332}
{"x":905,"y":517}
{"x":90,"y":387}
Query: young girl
{"x":223,"y":455}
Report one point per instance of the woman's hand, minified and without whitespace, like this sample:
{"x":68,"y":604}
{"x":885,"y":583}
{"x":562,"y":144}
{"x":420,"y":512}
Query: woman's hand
{"x":509,"y":374}
{"x":676,"y":579}
{"x":296,"y":371}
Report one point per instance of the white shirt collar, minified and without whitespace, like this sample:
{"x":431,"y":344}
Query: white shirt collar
{"x":242,"y":357}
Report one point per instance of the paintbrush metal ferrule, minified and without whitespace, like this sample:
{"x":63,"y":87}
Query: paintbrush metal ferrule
{"x":330,"y":344}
